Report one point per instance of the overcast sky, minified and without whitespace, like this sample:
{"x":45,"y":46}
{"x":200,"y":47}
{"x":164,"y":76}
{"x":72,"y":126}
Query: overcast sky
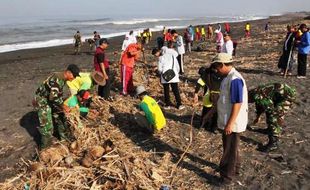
{"x":147,"y":8}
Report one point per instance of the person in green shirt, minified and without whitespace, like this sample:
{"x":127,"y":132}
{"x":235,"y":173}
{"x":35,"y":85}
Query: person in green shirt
{"x":154,"y":119}
{"x":81,"y":101}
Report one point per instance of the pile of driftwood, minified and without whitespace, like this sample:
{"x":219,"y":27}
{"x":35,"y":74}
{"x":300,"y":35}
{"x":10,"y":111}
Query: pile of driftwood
{"x":99,"y":156}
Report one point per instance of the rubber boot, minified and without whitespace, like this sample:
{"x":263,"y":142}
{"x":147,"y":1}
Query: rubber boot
{"x":46,"y":141}
{"x":272,"y":144}
{"x":63,"y":133}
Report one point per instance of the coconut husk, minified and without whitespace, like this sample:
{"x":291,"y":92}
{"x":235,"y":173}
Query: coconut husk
{"x":96,"y":151}
{"x":36,"y":166}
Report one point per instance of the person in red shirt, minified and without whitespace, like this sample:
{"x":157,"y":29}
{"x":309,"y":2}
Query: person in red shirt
{"x":168,"y":36}
{"x":129,"y":56}
{"x":101,"y":64}
{"x":227,"y":28}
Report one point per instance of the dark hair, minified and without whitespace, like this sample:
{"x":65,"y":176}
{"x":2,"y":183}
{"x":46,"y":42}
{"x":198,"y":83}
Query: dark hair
{"x":95,"y":32}
{"x":201,"y":70}
{"x":173,"y":32}
{"x":143,"y":94}
{"x":303,"y":26}
{"x":170,"y":44}
{"x":155,"y":50}
{"x":103,"y":40}
{"x":86,"y":102}
{"x":74,"y":69}
{"x":131,"y":32}
{"x":81,"y":93}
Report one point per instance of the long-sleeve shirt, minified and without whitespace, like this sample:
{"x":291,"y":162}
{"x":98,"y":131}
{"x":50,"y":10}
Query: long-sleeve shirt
{"x":219,"y":39}
{"x":180,"y":45}
{"x":228,"y":47}
{"x":304,"y":46}
{"x":52,"y":89}
{"x":168,"y":60}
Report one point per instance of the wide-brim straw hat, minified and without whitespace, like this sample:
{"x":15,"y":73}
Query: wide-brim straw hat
{"x":98,"y":78}
{"x":222,"y":58}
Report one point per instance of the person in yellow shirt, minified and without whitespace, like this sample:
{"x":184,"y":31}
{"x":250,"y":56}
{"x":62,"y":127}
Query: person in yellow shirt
{"x":149,"y":35}
{"x":154,"y":119}
{"x":198,"y":34}
{"x":82,"y":82}
{"x":247,"y":30}
{"x":85,"y":81}
{"x":203,"y":33}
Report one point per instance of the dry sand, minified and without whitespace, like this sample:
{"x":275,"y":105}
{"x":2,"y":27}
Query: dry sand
{"x":286,"y":168}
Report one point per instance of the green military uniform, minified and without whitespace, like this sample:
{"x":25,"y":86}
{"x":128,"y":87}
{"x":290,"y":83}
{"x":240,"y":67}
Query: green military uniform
{"x":78,"y":43}
{"x":275,"y":100}
{"x":49,"y":102}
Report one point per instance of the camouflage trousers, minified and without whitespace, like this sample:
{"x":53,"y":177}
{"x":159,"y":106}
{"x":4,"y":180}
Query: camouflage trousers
{"x":49,"y":118}
{"x":77,"y":48}
{"x":275,"y":118}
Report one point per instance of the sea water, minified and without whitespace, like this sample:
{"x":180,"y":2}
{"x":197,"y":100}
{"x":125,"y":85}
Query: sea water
{"x":28,"y":33}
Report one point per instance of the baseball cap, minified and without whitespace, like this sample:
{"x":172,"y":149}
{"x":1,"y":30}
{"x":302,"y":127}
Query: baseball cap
{"x":74,"y":69}
{"x":222,"y":58}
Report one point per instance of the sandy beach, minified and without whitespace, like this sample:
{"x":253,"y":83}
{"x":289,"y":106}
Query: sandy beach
{"x":257,"y":58}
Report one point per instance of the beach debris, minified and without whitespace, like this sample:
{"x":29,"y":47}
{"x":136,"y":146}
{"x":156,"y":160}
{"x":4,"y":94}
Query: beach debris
{"x":111,"y":152}
{"x":53,"y":154}
{"x":36,"y":166}
{"x":286,"y":172}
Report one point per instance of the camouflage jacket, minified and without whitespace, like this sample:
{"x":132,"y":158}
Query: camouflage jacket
{"x":52,"y":89}
{"x":77,"y":38}
{"x":266,"y":97}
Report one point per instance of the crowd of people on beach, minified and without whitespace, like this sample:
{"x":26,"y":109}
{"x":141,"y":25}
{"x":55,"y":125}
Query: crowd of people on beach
{"x":297,"y":38}
{"x":225,"y":92}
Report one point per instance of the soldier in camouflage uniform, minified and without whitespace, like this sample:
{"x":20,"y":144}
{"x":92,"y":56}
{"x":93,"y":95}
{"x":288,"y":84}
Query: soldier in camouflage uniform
{"x":49,"y":104}
{"x":275,"y":100}
{"x":77,"y":43}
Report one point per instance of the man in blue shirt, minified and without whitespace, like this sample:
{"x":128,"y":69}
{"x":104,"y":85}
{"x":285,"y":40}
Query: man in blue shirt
{"x":303,"y":51}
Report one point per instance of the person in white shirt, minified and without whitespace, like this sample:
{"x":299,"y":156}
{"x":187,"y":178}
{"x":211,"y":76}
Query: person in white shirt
{"x":180,"y":49}
{"x":228,"y":46}
{"x":167,"y":59}
{"x":129,"y":39}
{"x":219,"y":40}
{"x":232,"y":109}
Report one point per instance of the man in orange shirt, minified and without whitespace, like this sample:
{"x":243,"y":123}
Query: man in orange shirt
{"x":129,"y":56}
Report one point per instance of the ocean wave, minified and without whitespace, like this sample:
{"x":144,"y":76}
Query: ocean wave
{"x":48,"y":43}
{"x":128,"y":22}
{"x":155,"y":25}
